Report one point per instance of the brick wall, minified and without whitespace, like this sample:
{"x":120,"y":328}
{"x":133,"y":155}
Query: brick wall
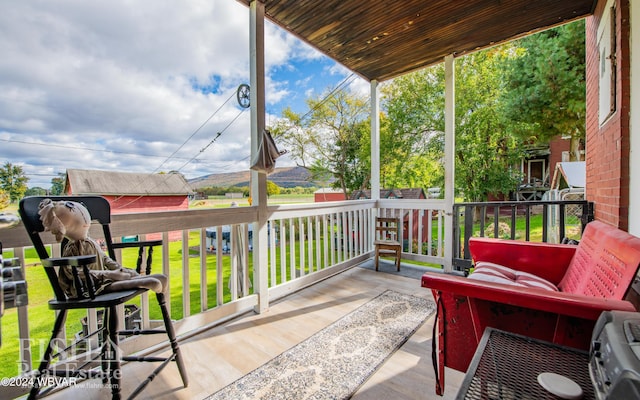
{"x":557,"y":146}
{"x":607,"y":146}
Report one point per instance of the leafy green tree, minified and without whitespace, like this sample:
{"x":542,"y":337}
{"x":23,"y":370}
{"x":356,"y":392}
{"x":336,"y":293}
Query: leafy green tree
{"x":411,"y":137}
{"x":13,"y":181}
{"x":327,"y":139}
{"x":35,"y":191}
{"x":507,"y":96}
{"x":486,"y":149}
{"x":272,"y":189}
{"x":320,"y":172}
{"x":57,"y":184}
{"x":355,"y":166}
{"x":546,"y":90}
{"x":4,"y":199}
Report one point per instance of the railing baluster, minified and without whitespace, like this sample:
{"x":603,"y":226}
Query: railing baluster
{"x":361,"y":231}
{"x":310,"y":243}
{"x":283,"y":258}
{"x":292,"y":248}
{"x":483,"y":219}
{"x":203,"y":270}
{"x":514,"y":210}
{"x":345,"y":236}
{"x":186,"y":303}
{"x":353,"y":243}
{"x":301,"y":238}
{"x":325,"y":240}
{"x":440,"y":233}
{"x":332,"y":238}
{"x":468,"y":228}
{"x":545,"y":223}
{"x":496,"y":221}
{"x":273,"y":267}
{"x":430,"y":229}
{"x":528,"y":223}
{"x":219,"y":268}
{"x":318,"y":243}
{"x":562,"y":233}
{"x":421,"y":214}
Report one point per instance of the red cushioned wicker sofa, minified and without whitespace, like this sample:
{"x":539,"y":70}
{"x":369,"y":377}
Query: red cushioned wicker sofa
{"x":590,"y":277}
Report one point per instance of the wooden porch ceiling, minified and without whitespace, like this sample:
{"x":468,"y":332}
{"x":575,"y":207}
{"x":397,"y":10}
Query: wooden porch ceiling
{"x":381,"y":39}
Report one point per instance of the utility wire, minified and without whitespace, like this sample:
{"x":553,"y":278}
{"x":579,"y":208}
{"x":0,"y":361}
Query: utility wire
{"x":213,"y":140}
{"x":200,"y":152}
{"x":344,"y":83}
{"x":80,"y":148}
{"x":193,"y":134}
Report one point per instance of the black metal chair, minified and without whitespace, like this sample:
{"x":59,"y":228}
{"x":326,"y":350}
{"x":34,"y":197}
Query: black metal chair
{"x":107,"y":363}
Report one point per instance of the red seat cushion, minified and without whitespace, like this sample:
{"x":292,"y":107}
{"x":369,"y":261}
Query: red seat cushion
{"x":490,"y":272}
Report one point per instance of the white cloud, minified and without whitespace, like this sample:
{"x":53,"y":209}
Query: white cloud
{"x":121,"y":85}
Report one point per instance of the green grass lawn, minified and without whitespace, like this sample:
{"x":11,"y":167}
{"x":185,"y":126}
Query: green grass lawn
{"x":39,"y":290}
{"x":573,"y":226}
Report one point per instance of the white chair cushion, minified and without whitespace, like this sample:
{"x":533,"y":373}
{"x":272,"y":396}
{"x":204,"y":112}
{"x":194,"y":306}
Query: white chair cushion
{"x":490,"y":272}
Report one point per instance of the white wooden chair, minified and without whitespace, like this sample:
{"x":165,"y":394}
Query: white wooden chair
{"x":387,"y":242}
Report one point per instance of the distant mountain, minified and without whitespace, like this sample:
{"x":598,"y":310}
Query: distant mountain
{"x":285,"y":177}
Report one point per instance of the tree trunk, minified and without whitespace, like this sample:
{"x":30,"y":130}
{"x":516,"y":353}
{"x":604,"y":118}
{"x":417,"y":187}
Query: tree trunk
{"x":574,"y":149}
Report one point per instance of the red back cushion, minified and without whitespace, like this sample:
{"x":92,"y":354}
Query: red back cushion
{"x":604,"y":264}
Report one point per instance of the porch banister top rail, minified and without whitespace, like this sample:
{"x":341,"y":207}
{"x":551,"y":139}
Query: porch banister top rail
{"x":166,"y":221}
{"x":312,"y":209}
{"x":434,"y":204}
{"x":150,"y":222}
{"x":521,"y":203}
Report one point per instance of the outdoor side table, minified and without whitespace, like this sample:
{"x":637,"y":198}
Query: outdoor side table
{"x":507,"y":365}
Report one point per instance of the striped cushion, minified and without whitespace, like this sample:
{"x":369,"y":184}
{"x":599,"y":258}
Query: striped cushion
{"x":490,"y":272}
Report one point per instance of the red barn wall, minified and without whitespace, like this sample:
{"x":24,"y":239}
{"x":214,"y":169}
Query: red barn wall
{"x":136,"y":204}
{"x":607,"y":146}
{"x":322,"y":197}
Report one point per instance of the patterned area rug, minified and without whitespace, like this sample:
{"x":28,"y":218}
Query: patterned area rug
{"x":333,"y":363}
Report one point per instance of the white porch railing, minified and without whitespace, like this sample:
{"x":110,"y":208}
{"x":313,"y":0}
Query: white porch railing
{"x":306,"y":243}
{"x":423,"y":231}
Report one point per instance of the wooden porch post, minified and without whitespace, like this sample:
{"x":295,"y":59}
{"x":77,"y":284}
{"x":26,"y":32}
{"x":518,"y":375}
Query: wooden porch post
{"x":258,"y":180}
{"x":449,"y":157}
{"x":375,"y":141}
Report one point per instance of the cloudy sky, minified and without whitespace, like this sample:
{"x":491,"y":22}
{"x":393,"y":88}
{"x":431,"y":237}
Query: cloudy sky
{"x":127,"y":85}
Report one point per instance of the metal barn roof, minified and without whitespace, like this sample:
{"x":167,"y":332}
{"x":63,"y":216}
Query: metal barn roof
{"x":85,"y":181}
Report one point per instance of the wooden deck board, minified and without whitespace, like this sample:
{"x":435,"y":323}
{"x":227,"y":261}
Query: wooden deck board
{"x":225,"y":353}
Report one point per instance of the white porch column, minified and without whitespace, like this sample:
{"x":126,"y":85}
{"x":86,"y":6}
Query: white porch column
{"x":258,"y":180}
{"x":449,"y":157}
{"x":375,"y":141}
